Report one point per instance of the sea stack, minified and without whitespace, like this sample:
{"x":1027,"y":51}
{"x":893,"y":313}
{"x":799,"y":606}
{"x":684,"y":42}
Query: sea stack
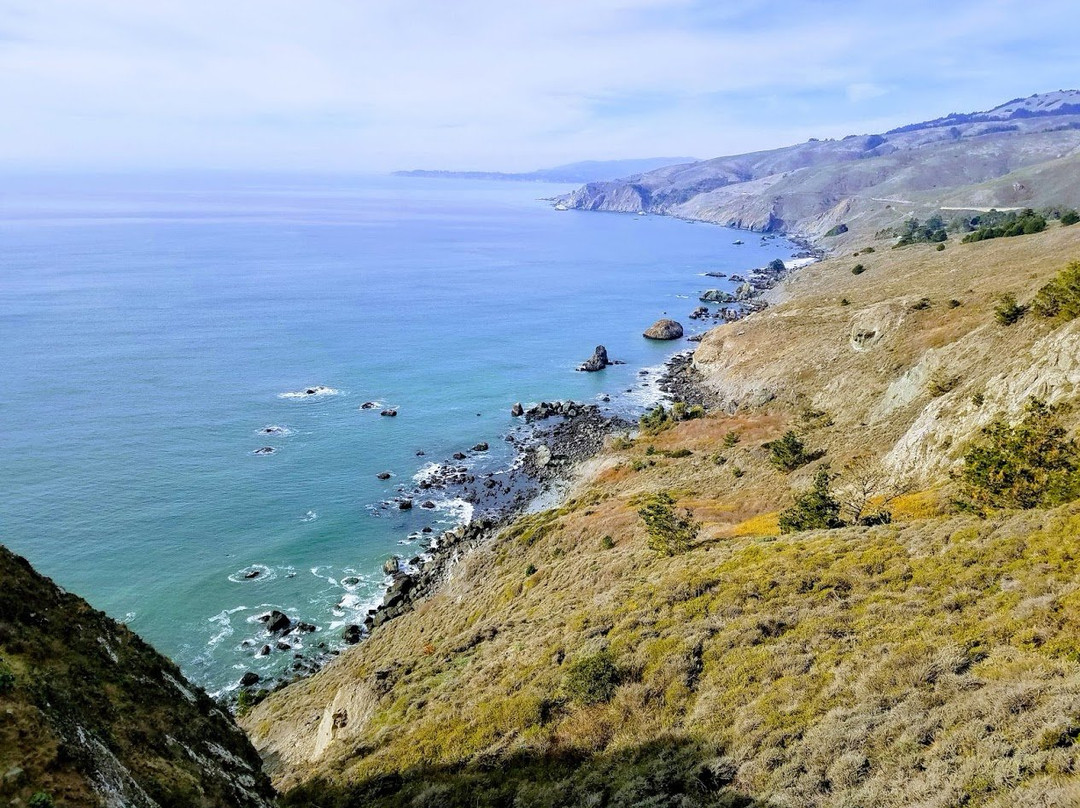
{"x":598,"y":361}
{"x":664,"y":329}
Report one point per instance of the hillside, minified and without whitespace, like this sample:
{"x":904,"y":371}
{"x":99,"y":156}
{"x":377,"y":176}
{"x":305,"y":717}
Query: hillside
{"x":988,"y":159}
{"x":90,"y":715}
{"x":931,"y":661}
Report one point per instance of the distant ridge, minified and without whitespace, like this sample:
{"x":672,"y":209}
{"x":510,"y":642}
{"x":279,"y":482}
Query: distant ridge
{"x":585,"y":171}
{"x":1023,"y":153}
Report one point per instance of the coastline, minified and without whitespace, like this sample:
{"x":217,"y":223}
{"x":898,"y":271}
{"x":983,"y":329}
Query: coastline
{"x":555,"y":442}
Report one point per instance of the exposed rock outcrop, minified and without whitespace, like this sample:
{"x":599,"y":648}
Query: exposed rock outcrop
{"x":664,"y":329}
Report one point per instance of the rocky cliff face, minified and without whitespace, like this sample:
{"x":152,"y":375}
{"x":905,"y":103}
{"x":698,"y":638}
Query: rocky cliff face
{"x":91,"y":715}
{"x":981,"y":159}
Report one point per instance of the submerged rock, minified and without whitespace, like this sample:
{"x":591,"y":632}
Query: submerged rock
{"x":264,"y":450}
{"x":389,"y":413}
{"x":664,"y":329}
{"x":383,"y":475}
{"x":480,"y":447}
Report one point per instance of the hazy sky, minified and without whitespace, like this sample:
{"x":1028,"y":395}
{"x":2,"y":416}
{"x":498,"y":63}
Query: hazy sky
{"x":363,"y":85}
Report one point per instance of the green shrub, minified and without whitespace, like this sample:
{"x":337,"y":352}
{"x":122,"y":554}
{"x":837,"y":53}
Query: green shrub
{"x":592,"y":679}
{"x":858,"y":269}
{"x":669,"y":533}
{"x":41,"y":799}
{"x":1061,"y":297}
{"x":814,"y":509}
{"x":7,"y":679}
{"x":622,"y":442}
{"x":530,"y":570}
{"x":737,"y":472}
{"x":1069,"y":217}
{"x":730,"y":439}
{"x":921,"y":304}
{"x":913,"y":231}
{"x":1005,"y":225}
{"x":978,"y":399}
{"x":940,"y":248}
{"x":607,"y":542}
{"x":1007,"y":311}
{"x":1034,"y":463}
{"x":788,"y":453}
{"x":659,"y":419}
{"x":955,"y":304}
{"x":677,"y":453}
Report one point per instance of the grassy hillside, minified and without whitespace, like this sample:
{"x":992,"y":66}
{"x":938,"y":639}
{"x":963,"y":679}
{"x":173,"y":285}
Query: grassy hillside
{"x":932,"y":661}
{"x":90,"y":715}
{"x":870,"y":180}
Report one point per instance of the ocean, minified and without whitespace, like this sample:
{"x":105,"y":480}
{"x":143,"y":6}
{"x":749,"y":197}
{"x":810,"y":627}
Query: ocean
{"x":153,"y":328}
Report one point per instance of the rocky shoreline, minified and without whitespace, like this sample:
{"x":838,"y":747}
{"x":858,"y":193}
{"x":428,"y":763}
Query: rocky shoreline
{"x":552,"y":440}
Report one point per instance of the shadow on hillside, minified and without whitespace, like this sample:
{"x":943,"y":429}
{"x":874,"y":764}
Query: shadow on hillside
{"x":666,"y":773}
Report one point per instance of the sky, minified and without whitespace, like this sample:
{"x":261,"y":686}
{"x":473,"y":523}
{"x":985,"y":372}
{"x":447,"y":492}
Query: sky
{"x":358,"y":85}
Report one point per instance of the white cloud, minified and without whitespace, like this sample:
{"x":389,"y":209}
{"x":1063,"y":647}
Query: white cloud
{"x":358,"y":84}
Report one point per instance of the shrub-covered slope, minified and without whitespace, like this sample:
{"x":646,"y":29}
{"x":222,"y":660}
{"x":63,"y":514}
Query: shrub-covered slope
{"x":933,"y":660}
{"x":90,"y":715}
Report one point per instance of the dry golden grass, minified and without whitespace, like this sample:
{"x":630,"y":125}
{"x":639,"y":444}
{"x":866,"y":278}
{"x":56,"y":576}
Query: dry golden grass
{"x":932,"y":662}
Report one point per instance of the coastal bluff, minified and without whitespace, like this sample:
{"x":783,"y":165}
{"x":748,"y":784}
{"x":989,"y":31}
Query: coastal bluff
{"x":92,"y":716}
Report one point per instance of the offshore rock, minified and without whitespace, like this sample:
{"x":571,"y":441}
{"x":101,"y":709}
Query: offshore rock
{"x":664,"y":329}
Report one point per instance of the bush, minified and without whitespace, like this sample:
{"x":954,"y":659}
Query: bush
{"x":913,"y":231}
{"x":1070,"y":217}
{"x":730,"y":439}
{"x":955,"y":304}
{"x":788,"y":453}
{"x":7,"y":679}
{"x":669,"y":533}
{"x":921,"y":304}
{"x":659,"y":419}
{"x":592,"y":679}
{"x":737,"y":472}
{"x":836,"y":231}
{"x":607,"y":542}
{"x":814,"y":509}
{"x":1007,"y":311}
{"x":677,"y":453}
{"x":1006,"y":225}
{"x":530,"y":570}
{"x":940,"y":248}
{"x":1061,"y":297}
{"x":1029,"y":465}
{"x":858,"y":269}
{"x":41,"y":799}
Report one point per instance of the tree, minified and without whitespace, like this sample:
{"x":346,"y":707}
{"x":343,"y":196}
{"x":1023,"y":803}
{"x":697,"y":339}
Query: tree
{"x":1069,"y":217}
{"x":1007,"y":311}
{"x":814,"y":509}
{"x":1061,"y":297}
{"x":1034,"y":463}
{"x":788,"y":453}
{"x":669,"y":533}
{"x":868,"y":489}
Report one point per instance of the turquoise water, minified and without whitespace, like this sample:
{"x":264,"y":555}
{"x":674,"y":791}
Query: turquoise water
{"x":151,"y":327}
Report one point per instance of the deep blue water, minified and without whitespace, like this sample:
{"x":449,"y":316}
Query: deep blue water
{"x":149,"y":327}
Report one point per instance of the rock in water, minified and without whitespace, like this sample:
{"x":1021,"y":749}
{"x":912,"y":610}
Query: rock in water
{"x":664,"y":329}
{"x":481,"y":447}
{"x":351,"y":634}
{"x":517,"y":410}
{"x":276,"y":621}
{"x":598,"y":361}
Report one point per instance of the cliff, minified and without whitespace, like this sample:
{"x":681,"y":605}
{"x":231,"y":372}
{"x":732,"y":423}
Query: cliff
{"x":930,"y":660}
{"x":90,"y":715}
{"x":987,"y":159}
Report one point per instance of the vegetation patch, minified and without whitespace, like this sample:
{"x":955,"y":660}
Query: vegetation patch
{"x":996,"y":224}
{"x":788,"y":452}
{"x":670,"y":533}
{"x":1031,"y":464}
{"x":1060,"y":298}
{"x":592,"y":679}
